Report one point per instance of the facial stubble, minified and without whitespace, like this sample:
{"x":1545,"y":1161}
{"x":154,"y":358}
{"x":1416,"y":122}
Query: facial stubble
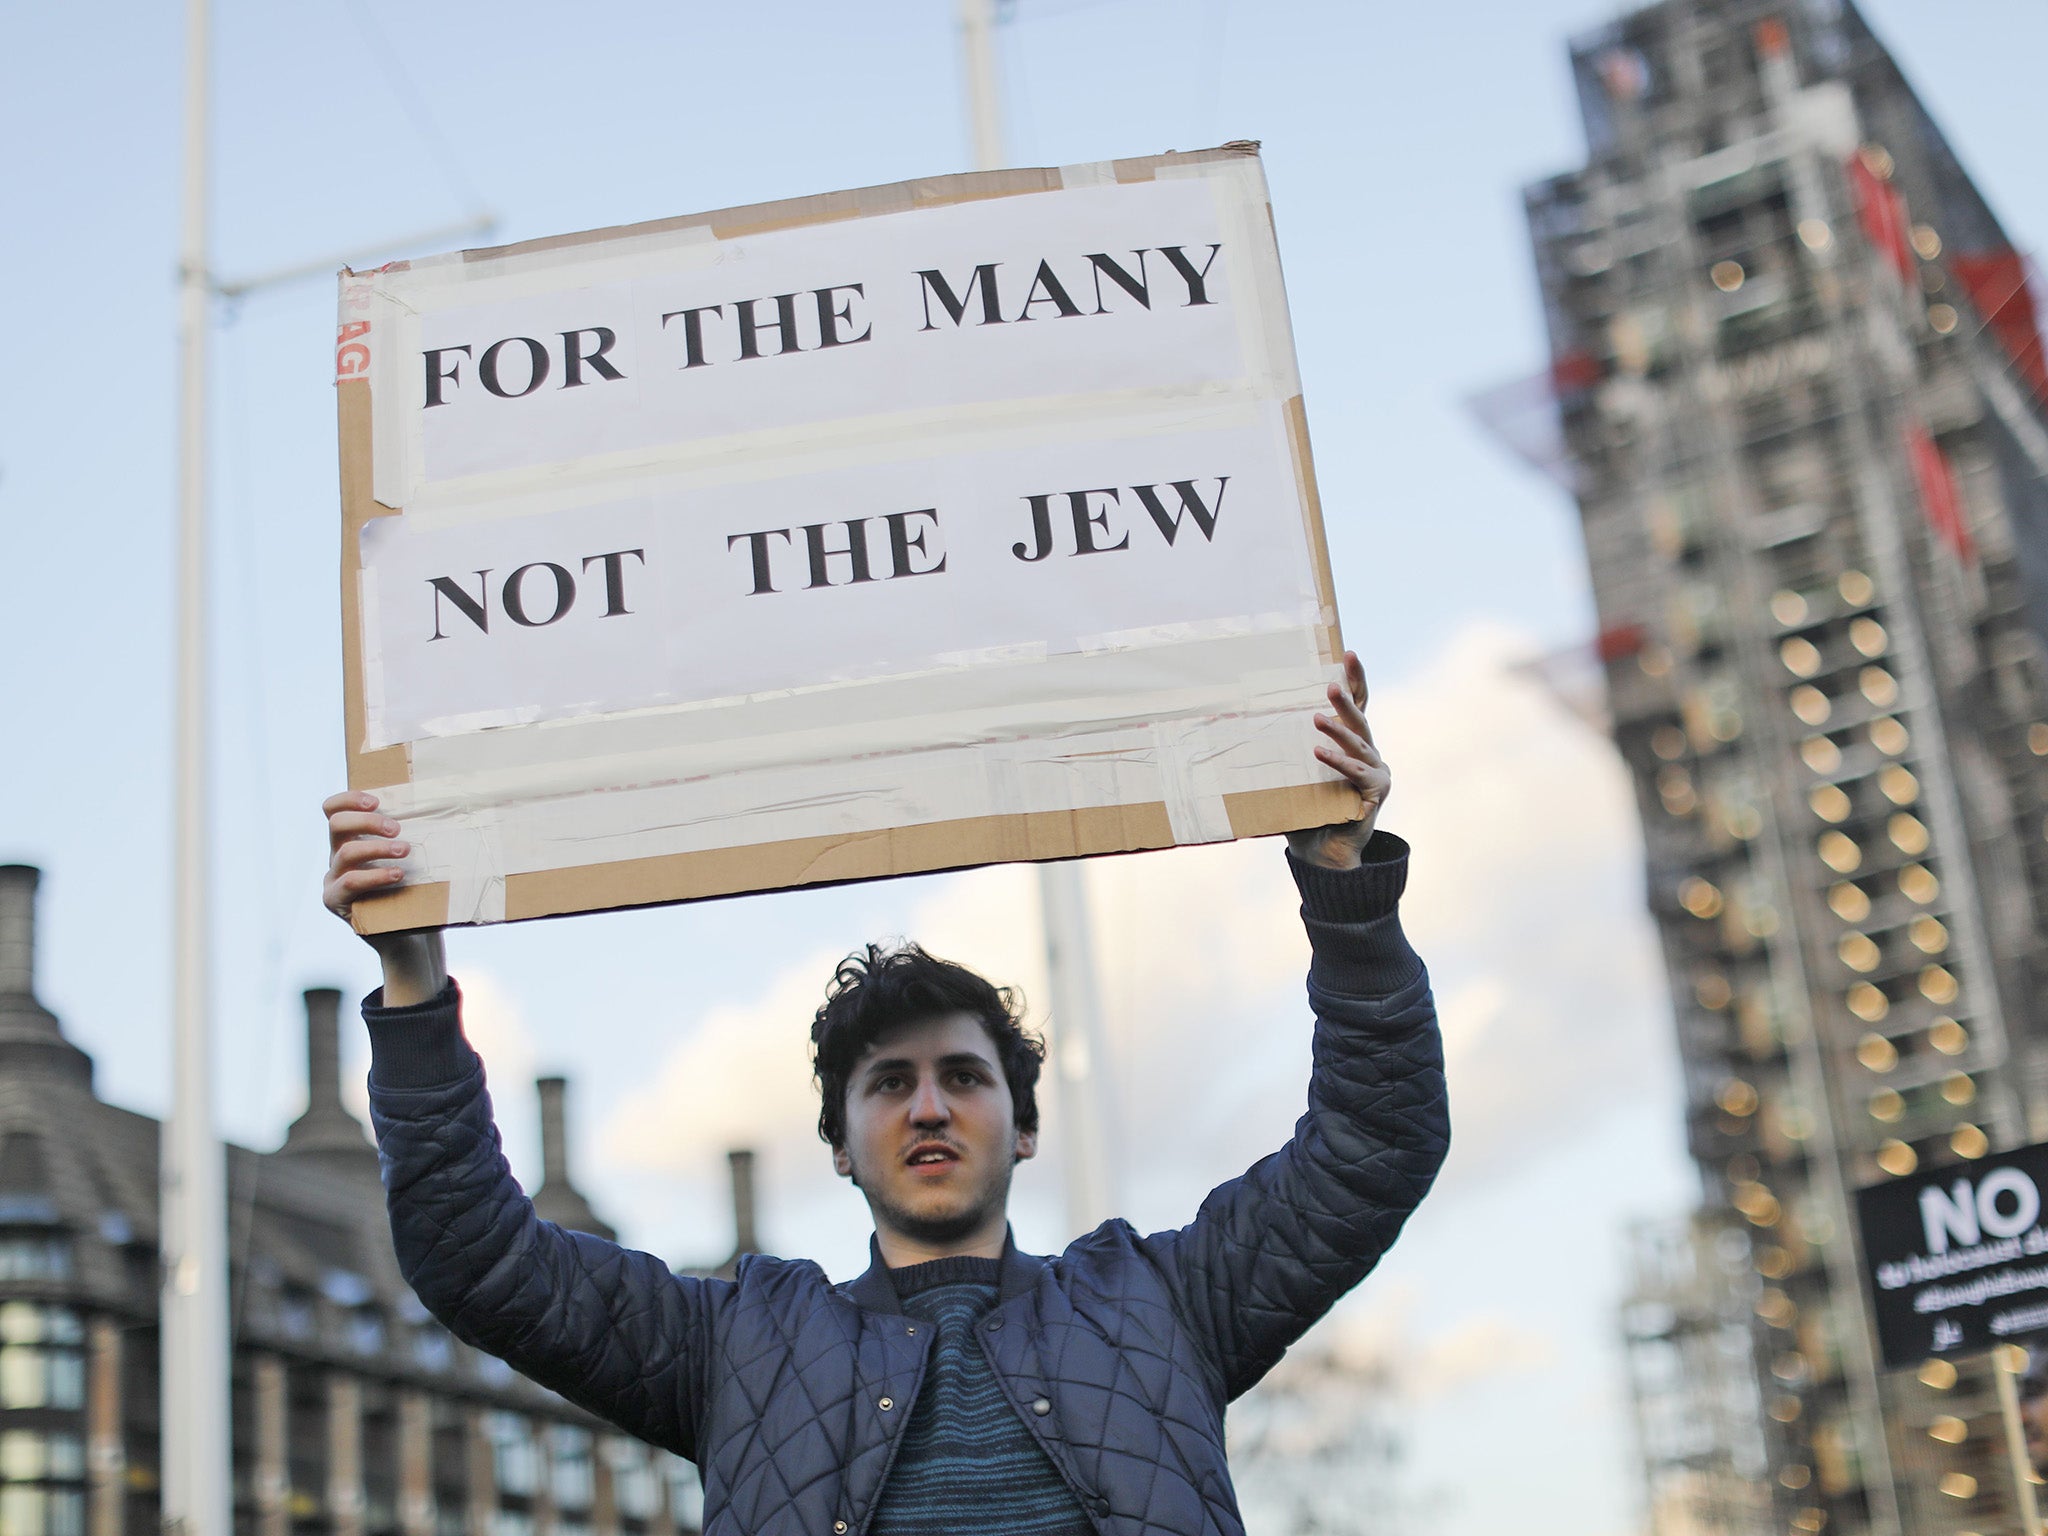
{"x":937,"y":1230}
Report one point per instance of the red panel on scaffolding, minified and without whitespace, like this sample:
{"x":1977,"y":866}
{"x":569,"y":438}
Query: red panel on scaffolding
{"x":1574,"y":370}
{"x":1881,"y":210}
{"x":1939,"y":499}
{"x":1998,"y":289}
{"x":1620,"y":641}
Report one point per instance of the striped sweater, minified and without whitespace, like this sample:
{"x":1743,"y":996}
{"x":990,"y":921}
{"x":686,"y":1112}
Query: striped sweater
{"x":967,"y":1463}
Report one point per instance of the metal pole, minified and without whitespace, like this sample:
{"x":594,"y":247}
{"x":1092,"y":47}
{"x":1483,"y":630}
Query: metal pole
{"x":984,"y":112}
{"x":1078,"y":1047}
{"x":194,"y":1220}
{"x":1079,"y":1050}
{"x":2007,"y":1361}
{"x":481,"y":227}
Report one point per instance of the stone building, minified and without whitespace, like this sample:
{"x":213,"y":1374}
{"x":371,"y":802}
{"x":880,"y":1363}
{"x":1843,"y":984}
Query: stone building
{"x":355,"y":1414}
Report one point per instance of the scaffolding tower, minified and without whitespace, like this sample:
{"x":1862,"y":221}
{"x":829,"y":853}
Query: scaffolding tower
{"x":1692,"y":1378}
{"x":1802,"y":392}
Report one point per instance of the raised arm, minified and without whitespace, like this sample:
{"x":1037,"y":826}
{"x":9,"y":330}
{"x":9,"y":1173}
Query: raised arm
{"x":608,"y":1328}
{"x":1273,"y":1250}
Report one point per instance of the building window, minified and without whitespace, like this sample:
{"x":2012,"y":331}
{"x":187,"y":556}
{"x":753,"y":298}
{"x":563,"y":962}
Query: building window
{"x":29,"y":1459}
{"x":295,"y":1315}
{"x":40,"y":1367}
{"x":633,"y":1484}
{"x":433,"y":1348}
{"x":34,"y":1258}
{"x":32,"y":1511}
{"x":513,"y":1454}
{"x":25,"y":1322}
{"x":40,"y":1378}
{"x":685,"y":1493}
{"x":571,"y":1477}
{"x":366,"y":1331}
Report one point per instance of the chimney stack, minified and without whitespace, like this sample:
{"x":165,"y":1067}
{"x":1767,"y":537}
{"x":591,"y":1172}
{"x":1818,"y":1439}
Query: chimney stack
{"x":323,"y":1045}
{"x":744,"y":1237}
{"x":30,"y":1037}
{"x":18,"y":929}
{"x":327,"y":1130}
{"x":554,"y":1133}
{"x":558,"y":1200}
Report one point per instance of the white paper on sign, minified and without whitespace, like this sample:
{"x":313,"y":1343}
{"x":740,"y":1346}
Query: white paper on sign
{"x":913,"y":311}
{"x":689,"y":594}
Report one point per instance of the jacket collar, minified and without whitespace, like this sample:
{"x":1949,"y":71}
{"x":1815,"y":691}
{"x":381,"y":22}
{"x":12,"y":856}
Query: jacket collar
{"x":874,"y":1292}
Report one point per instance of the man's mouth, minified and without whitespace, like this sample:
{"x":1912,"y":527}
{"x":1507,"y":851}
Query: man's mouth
{"x":927,"y":1154}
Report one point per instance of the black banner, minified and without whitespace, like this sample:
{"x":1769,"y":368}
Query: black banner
{"x":1958,"y":1257}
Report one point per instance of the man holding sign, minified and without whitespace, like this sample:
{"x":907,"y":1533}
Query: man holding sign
{"x":959,"y":1385}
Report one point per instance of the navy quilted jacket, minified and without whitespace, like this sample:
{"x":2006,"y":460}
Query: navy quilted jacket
{"x":791,"y":1393}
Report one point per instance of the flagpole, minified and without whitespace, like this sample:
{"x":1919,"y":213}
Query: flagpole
{"x":1078,"y":1046}
{"x":193,"y":1174}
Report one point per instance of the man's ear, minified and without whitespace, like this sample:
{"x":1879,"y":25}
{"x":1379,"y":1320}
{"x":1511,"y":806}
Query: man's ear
{"x":1027,"y":1145}
{"x":842,"y":1163}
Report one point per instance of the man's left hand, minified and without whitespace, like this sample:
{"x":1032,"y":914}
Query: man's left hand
{"x":1349,"y":749}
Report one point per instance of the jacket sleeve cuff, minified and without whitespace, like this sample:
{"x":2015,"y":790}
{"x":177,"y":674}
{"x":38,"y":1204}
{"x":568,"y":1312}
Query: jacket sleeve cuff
{"x":1353,"y":922}
{"x":1354,"y":895}
{"x":418,"y":1046}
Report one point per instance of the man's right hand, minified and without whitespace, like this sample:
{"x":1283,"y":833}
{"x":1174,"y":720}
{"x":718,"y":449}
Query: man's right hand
{"x":358,"y":835}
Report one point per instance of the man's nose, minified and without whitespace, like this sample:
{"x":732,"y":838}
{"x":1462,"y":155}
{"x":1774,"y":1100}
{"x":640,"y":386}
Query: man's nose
{"x":928,"y":1104}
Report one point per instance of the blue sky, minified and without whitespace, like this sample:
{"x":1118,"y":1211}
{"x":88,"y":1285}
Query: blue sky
{"x":1395,"y":140}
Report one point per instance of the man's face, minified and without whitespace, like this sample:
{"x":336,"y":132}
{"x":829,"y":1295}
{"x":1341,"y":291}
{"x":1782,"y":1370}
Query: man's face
{"x":931,"y":1133}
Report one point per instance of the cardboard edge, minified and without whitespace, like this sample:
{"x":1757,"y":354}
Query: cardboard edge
{"x":1030,"y":837}
{"x":387,"y":765}
{"x":861,"y":202}
{"x":416,"y":906}
{"x":1331,"y":634}
{"x":1023,"y":838}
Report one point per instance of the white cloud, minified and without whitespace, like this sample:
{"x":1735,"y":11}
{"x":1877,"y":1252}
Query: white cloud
{"x":1475,"y":1351}
{"x":1374,"y":1338}
{"x":742,"y":1073}
{"x":740,"y":1078}
{"x":1323,"y":1435}
{"x":1525,"y":899}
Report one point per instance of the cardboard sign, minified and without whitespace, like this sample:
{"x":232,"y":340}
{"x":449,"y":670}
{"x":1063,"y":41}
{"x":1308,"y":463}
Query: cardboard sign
{"x":930,"y":525}
{"x":1958,"y":1256}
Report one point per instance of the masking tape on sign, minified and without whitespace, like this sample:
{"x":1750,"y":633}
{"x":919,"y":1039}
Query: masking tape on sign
{"x":763,"y":789}
{"x":826,"y":447}
{"x":1187,"y":785}
{"x":1094,"y":173}
{"x":1045,"y":698}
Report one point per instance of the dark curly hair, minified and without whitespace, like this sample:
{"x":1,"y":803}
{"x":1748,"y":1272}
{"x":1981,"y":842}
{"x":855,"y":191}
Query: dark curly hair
{"x":877,"y":988}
